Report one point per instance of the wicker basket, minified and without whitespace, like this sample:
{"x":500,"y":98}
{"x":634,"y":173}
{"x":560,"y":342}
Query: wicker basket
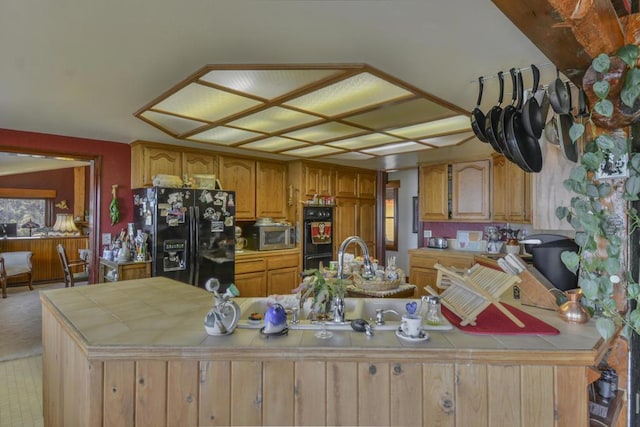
{"x":378,"y":285}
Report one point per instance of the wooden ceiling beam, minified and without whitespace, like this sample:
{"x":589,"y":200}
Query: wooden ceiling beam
{"x":569,"y":32}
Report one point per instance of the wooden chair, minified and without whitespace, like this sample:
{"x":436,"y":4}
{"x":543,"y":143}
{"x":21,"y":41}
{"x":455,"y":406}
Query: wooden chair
{"x":14,"y":264}
{"x":70,"y":278}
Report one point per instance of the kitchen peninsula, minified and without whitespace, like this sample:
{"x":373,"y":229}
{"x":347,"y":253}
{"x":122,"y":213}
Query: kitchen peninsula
{"x":136,"y":353}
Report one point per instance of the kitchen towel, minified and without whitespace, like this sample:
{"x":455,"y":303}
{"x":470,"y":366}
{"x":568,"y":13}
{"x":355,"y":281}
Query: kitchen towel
{"x":321,"y":233}
{"x":493,"y":322}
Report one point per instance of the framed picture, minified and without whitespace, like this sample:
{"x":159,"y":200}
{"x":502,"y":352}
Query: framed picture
{"x":415,"y":215}
{"x":613,"y":167}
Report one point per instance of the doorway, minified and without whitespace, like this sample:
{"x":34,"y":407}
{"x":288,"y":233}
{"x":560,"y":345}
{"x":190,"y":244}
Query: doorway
{"x":40,"y":160}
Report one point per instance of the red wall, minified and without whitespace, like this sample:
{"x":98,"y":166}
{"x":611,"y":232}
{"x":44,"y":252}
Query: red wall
{"x":60,"y":180}
{"x":115,"y":169}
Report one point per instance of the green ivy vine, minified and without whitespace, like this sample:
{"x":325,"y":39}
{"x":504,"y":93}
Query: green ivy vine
{"x":596,"y":227}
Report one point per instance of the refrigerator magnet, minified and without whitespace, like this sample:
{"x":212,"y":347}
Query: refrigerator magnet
{"x":217,"y":226}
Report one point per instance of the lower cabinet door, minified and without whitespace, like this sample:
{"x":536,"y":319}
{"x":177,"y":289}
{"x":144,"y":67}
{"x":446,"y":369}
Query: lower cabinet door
{"x":252,"y":284}
{"x":282,"y":280}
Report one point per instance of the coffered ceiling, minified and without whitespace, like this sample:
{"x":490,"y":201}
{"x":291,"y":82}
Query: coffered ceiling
{"x":85,"y":69}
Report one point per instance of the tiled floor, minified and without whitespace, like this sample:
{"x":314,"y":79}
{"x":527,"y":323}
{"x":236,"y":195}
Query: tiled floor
{"x":21,"y":392}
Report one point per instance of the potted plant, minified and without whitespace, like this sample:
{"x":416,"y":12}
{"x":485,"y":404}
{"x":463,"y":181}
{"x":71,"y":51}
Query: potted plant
{"x":606,"y":178}
{"x":322,"y":289}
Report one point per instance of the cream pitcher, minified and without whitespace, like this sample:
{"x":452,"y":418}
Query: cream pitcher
{"x":223,"y":318}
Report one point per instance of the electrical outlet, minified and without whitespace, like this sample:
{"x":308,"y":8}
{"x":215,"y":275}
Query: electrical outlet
{"x":106,"y":239}
{"x":427,"y":233}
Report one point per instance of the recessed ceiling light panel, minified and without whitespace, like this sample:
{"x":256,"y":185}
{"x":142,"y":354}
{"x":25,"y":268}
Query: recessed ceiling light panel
{"x":446,"y":140}
{"x":274,"y":144}
{"x":350,"y":94}
{"x":403,"y":147}
{"x":323,"y":132}
{"x":267,"y":84}
{"x":363,"y":141}
{"x":274,"y":119}
{"x":202,"y":102}
{"x":313,"y":151}
{"x":225,"y":135}
{"x":173,"y":124}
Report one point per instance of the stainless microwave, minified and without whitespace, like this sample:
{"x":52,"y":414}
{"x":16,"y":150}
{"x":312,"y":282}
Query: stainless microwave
{"x":270,"y":237}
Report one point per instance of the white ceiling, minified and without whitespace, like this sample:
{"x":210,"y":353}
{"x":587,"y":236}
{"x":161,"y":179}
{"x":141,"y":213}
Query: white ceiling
{"x":82,"y":68}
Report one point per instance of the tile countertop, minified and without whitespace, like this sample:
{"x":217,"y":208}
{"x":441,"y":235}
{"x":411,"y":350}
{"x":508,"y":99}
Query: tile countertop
{"x":160,"y":314}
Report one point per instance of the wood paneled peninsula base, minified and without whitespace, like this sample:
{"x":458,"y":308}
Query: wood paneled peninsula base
{"x":136,"y":353}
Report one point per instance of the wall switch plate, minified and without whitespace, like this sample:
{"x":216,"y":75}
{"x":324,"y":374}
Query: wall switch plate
{"x":427,"y":233}
{"x":106,"y":239}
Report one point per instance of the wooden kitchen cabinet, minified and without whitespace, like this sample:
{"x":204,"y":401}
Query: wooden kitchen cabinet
{"x":346,"y":183}
{"x":470,"y":190}
{"x":282,"y":281}
{"x":422,"y":261}
{"x":199,"y":164}
{"x":271,"y":190}
{"x":260,"y":274}
{"x":317,"y":179}
{"x":511,"y":200}
{"x":239,"y":175}
{"x":113,"y":271}
{"x":149,"y":160}
{"x":345,"y":221}
{"x":357,"y":217}
{"x":367,"y":186}
{"x":367,"y":223}
{"x":434,"y":192}
{"x":252,"y":284}
{"x":457,"y":191}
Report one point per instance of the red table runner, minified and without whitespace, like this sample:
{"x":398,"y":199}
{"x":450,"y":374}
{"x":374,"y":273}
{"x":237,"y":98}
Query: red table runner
{"x":493,"y":322}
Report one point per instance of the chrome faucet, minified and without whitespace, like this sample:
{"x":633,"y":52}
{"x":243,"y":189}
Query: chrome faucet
{"x":368,"y":269}
{"x":338,"y":302}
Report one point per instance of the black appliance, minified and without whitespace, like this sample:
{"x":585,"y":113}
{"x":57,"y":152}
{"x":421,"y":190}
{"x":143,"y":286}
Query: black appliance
{"x":191,"y":232}
{"x":546,"y":257}
{"x":317,"y":236}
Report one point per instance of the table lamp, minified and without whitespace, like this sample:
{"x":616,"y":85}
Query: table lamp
{"x":30,"y":225}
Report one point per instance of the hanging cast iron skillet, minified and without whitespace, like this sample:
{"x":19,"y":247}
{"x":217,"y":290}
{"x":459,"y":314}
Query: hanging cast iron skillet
{"x":583,"y":111}
{"x":525,"y":148}
{"x":565,"y":121}
{"x":493,"y":118}
{"x":505,"y":117}
{"x":531,"y":113}
{"x":559,"y":96}
{"x":477,"y":116}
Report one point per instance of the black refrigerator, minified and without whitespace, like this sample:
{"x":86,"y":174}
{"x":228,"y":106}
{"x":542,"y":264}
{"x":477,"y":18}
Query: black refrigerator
{"x":191,"y":232}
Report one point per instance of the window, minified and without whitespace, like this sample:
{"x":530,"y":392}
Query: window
{"x":391,"y":215}
{"x":19,"y":206}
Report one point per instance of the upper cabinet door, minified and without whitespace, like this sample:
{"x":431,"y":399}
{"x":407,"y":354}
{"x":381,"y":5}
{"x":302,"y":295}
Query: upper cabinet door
{"x":159,"y":161}
{"x":239,"y":175}
{"x":271,"y":189}
{"x":346,"y":183}
{"x":317,"y":180}
{"x":434,"y":193}
{"x":367,"y":186}
{"x":470,"y":190}
{"x":199,"y":164}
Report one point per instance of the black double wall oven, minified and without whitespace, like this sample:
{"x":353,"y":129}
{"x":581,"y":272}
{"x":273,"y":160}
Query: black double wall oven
{"x":318,"y":236}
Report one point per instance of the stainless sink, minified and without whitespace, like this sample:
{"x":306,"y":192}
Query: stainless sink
{"x":353,"y":308}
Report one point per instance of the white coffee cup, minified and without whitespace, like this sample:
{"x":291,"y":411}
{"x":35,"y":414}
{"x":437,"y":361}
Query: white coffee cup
{"x":411,"y":325}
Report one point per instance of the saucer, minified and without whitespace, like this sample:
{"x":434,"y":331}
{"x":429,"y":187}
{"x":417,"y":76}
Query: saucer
{"x":423,"y":336}
{"x":284,"y":331}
